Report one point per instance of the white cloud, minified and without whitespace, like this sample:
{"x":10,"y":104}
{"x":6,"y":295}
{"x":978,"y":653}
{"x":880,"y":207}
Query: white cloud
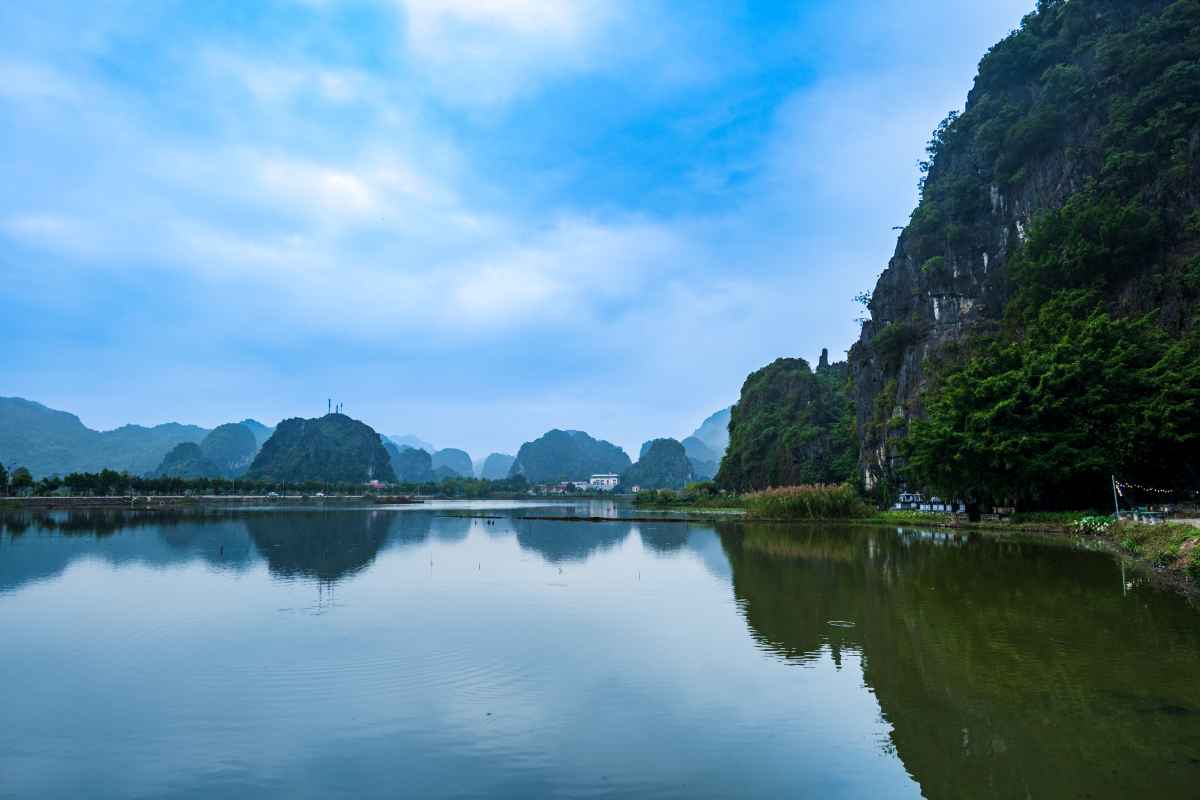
{"x":558,"y":18}
{"x":489,"y":51}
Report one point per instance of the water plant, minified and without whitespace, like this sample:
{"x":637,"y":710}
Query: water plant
{"x":1093,"y":525}
{"x":818,"y":501}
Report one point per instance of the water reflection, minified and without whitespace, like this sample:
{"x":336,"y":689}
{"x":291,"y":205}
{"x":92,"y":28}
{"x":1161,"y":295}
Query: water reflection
{"x":326,"y":546}
{"x":563,"y":542}
{"x":1006,"y":668}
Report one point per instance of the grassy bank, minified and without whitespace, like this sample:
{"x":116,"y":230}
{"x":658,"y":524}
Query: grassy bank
{"x":696,"y":495}
{"x":1173,"y":546}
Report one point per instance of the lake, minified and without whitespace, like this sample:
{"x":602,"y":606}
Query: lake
{"x":458,"y":650}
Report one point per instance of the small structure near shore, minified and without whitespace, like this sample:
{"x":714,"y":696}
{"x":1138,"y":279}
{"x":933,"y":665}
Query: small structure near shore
{"x":912,"y":501}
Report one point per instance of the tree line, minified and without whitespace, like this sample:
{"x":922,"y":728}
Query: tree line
{"x":110,"y":483}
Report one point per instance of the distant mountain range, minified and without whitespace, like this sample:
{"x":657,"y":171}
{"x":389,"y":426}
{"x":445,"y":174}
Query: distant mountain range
{"x":714,"y":432}
{"x":50,"y":442}
{"x":408,"y":440}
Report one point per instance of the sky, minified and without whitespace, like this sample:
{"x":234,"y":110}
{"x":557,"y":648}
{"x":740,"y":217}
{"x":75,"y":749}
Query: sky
{"x":471,"y":220}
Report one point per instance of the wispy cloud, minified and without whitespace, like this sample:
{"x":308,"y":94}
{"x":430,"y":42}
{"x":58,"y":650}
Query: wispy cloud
{"x":473,"y":219}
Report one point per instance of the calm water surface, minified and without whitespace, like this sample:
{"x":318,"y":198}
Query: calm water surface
{"x":409,"y":652}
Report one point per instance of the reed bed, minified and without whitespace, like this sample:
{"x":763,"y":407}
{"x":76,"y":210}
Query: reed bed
{"x":820,"y":501}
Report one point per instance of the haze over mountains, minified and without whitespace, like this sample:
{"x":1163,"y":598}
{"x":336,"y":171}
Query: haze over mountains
{"x":50,"y":442}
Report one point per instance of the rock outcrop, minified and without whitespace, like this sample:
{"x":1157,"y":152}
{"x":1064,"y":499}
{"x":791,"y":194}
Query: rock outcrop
{"x":1040,"y":126}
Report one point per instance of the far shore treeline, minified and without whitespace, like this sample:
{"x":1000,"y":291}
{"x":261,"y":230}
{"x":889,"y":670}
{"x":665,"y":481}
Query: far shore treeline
{"x":109,"y":483}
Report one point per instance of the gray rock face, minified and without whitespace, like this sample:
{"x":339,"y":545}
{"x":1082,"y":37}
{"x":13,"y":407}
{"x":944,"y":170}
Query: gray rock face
{"x":941,"y":286}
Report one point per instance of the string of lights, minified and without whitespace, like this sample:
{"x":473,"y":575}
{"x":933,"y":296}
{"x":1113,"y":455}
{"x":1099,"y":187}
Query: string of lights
{"x":1120,"y":486}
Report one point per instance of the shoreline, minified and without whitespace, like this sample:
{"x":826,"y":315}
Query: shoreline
{"x":1124,"y":540}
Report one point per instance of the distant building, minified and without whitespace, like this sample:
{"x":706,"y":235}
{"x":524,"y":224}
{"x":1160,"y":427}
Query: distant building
{"x":604,"y":481}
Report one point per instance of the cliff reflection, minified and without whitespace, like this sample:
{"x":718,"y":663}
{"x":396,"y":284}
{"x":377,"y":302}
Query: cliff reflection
{"x":560,"y":542}
{"x":327,"y":547}
{"x":987,"y":656}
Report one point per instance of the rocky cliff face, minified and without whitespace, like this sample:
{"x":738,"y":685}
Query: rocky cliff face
{"x":1038,"y":127}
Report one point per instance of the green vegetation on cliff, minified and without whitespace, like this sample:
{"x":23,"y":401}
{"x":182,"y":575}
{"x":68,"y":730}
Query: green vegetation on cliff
{"x":572,"y":454}
{"x":413,"y":466}
{"x":187,"y":461}
{"x":231,"y":447}
{"x":792,"y":425}
{"x":665,"y":465}
{"x":1094,"y":369}
{"x":332,"y":448}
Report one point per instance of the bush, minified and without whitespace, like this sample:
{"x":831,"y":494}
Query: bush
{"x":820,"y":501}
{"x":1093,"y":525}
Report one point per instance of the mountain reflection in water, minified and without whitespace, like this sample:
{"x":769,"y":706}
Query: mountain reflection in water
{"x":1006,"y":669}
{"x":623,"y":658}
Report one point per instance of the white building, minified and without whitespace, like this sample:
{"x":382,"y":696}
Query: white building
{"x":604,"y":481}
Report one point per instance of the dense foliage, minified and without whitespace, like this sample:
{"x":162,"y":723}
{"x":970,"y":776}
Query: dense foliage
{"x":791,"y":426}
{"x":1094,"y":372}
{"x":1050,"y":415}
{"x":568,"y":455}
{"x":665,"y":465}
{"x":332,"y":448}
{"x":187,"y":460}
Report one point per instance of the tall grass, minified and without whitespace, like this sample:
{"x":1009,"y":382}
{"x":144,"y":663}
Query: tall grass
{"x":821,"y":501}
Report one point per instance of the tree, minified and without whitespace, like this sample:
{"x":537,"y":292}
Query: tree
{"x":22,"y":481}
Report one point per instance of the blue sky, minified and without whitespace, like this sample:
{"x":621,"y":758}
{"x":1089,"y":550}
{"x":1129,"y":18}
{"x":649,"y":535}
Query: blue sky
{"x":473,"y":220}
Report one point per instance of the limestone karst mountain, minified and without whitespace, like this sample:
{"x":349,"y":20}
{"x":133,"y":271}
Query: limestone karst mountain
{"x":231,"y":447}
{"x":186,"y":460}
{"x":573,"y":454}
{"x":331,"y":448}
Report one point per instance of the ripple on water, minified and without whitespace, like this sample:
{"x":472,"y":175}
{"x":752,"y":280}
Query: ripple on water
{"x":511,"y":725}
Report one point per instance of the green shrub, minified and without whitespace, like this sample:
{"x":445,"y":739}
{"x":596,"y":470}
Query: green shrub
{"x":1093,"y":525}
{"x":820,"y":501}
{"x":1193,"y":570}
{"x":892,"y":341}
